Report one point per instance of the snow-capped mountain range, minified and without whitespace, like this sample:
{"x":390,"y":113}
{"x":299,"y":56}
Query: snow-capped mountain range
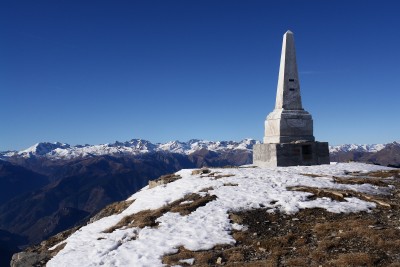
{"x":134,"y":147}
{"x":357,"y":148}
{"x":59,"y":150}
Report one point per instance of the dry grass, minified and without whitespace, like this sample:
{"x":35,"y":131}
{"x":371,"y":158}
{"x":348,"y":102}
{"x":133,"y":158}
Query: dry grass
{"x":248,"y":167}
{"x":354,"y":259}
{"x":219,"y":176}
{"x":165,"y":179}
{"x":321,"y":192}
{"x":340,"y":195}
{"x":229,"y":167}
{"x":385,"y":174}
{"x":141,"y":219}
{"x":230,"y":184}
{"x":148,"y":218}
{"x":201,"y":171}
{"x":114,"y":208}
{"x":202,"y":258}
{"x":361,"y":180}
{"x":204,"y":172}
{"x":208,"y":173}
{"x":312,"y":175}
{"x":239,"y":167}
{"x":378,"y":178}
{"x":206,"y":189}
{"x":187,"y":208}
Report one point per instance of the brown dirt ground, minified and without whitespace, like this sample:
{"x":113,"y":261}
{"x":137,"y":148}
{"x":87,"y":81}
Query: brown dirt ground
{"x":313,"y":237}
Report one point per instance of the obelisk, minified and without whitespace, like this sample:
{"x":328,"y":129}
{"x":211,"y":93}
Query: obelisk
{"x":288,"y":138}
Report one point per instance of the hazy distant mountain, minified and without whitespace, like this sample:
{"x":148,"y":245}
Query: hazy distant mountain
{"x":15,"y":180}
{"x":382,"y":154}
{"x":356,"y":148}
{"x":8,"y":246}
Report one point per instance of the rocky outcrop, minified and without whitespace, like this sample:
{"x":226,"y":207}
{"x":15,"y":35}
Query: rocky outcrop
{"x":39,"y":255}
{"x":25,"y":259}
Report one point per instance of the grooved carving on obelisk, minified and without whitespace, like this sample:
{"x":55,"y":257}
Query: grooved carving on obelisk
{"x":288,"y":90}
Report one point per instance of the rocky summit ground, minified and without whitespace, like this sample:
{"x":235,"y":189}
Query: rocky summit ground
{"x":343,"y":214}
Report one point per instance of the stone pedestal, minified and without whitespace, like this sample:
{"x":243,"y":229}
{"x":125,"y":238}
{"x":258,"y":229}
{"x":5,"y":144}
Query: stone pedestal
{"x":291,"y":154}
{"x":285,"y":126}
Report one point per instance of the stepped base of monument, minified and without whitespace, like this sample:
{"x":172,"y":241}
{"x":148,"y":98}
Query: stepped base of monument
{"x":291,"y":154}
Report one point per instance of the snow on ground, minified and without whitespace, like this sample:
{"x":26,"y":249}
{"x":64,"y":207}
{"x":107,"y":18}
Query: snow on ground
{"x":208,"y":225}
{"x":188,"y":261}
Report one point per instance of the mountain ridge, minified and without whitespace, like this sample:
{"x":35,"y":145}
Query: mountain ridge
{"x":63,"y":151}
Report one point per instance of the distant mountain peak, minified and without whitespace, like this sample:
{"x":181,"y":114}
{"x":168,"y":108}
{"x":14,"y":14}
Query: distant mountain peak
{"x":43,"y":148}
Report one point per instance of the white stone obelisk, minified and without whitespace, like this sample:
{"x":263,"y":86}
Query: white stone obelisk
{"x":288,"y":138}
{"x":288,"y":122}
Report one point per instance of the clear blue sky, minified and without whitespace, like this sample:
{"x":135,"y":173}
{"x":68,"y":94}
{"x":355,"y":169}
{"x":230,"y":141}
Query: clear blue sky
{"x":99,"y":71}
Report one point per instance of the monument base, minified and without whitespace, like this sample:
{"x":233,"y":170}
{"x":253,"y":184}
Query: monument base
{"x":291,"y":154}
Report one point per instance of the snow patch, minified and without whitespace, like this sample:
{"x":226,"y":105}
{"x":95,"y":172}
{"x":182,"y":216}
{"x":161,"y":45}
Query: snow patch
{"x":187,"y":261}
